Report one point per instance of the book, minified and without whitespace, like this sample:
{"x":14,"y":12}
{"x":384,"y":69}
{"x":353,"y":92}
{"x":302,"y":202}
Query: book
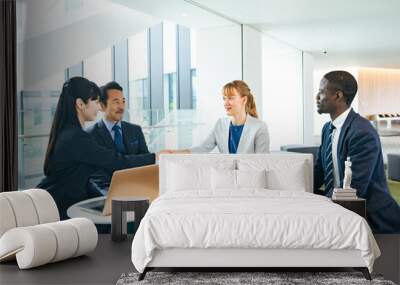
{"x":344,"y":198}
{"x":340,"y":196}
{"x":345,"y":194}
{"x":341,"y":190}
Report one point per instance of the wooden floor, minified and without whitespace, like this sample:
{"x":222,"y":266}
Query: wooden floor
{"x":102,"y":266}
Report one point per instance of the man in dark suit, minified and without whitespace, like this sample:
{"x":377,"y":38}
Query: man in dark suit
{"x":113,"y":133}
{"x":350,"y":135}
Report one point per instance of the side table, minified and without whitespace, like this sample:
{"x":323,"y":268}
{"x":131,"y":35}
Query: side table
{"x":357,"y":205}
{"x":121,"y":205}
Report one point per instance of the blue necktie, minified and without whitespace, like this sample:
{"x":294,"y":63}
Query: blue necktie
{"x":328,"y":177}
{"x":119,"y":144}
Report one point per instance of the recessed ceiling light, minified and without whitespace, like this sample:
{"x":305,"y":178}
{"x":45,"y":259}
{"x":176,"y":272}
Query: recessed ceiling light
{"x":184,"y":15}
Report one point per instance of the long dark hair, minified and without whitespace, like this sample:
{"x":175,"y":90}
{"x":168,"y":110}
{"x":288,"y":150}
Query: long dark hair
{"x":74,"y":88}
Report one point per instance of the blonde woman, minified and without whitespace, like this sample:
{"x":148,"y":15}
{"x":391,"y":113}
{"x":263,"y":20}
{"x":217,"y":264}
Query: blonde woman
{"x":242,"y":131}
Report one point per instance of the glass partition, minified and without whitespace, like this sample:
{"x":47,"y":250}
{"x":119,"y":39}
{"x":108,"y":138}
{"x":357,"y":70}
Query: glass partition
{"x":179,"y":129}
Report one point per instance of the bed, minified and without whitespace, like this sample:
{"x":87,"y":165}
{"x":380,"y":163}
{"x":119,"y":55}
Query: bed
{"x":247,"y":211}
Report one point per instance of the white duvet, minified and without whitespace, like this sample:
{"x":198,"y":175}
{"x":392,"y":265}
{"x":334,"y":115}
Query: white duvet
{"x":252,"y":218}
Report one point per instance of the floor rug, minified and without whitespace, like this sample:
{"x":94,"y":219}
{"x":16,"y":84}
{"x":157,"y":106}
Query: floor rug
{"x":228,"y":278}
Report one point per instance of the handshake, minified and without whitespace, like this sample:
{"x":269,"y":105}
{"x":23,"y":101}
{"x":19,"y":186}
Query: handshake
{"x":171,"y":151}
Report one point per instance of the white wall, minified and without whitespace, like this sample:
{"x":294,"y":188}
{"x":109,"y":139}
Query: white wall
{"x":308,"y":99}
{"x":169,"y":46}
{"x":252,"y":64}
{"x":282,"y":92}
{"x":138,"y":56}
{"x":43,"y":16}
{"x":51,"y":83}
{"x":46,"y":48}
{"x":97,"y":68}
{"x":218,"y":62}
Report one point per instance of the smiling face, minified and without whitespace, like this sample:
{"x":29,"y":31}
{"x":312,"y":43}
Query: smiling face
{"x":326,"y":98}
{"x":115,"y":107}
{"x":88,"y":111}
{"x":234,"y":104}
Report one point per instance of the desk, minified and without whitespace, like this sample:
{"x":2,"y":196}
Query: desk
{"x":76,"y":211}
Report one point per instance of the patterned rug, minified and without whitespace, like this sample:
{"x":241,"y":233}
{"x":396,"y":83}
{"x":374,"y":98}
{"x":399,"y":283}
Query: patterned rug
{"x":228,"y":278}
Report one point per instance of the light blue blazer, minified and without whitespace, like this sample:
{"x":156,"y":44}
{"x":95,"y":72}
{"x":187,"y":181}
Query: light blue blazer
{"x":254,"y":138}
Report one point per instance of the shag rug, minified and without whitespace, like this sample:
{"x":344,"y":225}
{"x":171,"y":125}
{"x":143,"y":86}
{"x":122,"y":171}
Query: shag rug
{"x":228,"y":278}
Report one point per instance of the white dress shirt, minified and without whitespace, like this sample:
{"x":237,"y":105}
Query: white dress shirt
{"x":338,"y":123}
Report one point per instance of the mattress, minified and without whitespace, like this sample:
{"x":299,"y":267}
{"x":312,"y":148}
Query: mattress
{"x":250,"y":219}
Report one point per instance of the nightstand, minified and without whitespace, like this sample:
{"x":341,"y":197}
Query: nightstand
{"x":357,"y":205}
{"x":120,"y":207}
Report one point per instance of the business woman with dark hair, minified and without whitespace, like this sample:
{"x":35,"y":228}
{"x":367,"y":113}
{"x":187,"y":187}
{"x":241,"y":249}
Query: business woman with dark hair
{"x":72,"y":154}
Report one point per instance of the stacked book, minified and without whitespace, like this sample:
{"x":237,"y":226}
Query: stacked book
{"x":344,"y":194}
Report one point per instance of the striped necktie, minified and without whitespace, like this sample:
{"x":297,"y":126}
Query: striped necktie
{"x":328,"y":179}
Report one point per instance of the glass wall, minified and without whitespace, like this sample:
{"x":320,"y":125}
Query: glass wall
{"x":169,"y":66}
{"x":38,"y":101}
{"x":193,"y":65}
{"x":139,"y":91}
{"x":282,"y":93}
{"x":37,"y":109}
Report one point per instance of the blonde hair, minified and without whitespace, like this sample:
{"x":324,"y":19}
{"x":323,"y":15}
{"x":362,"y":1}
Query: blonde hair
{"x":244,"y":91}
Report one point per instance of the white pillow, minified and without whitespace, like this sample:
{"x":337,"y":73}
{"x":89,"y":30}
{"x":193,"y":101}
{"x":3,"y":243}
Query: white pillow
{"x":251,"y":178}
{"x":292,"y":179}
{"x":282,"y":174}
{"x":236,"y":179}
{"x":185,"y":174}
{"x":183,"y":178}
{"x":223,"y":179}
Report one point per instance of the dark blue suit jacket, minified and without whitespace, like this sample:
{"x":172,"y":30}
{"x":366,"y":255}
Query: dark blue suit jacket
{"x":75,"y":157}
{"x":135,"y":145}
{"x":132,"y":136}
{"x":359,"y":141}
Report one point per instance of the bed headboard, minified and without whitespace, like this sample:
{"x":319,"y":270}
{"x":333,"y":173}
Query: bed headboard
{"x":294,"y":167}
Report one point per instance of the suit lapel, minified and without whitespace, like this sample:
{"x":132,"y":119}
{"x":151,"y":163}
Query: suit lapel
{"x":245,"y":131}
{"x":325,"y":135}
{"x":125,"y":136}
{"x":105,"y":134}
{"x":342,"y":136}
{"x":225,"y":136}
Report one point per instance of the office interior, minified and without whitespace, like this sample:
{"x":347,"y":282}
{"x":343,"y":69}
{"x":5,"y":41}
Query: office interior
{"x":172,"y":59}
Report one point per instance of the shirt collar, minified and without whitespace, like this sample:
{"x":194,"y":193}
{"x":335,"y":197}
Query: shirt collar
{"x":339,"y":121}
{"x":110,"y":124}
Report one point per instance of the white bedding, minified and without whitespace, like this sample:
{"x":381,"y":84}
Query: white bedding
{"x":252,"y":218}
